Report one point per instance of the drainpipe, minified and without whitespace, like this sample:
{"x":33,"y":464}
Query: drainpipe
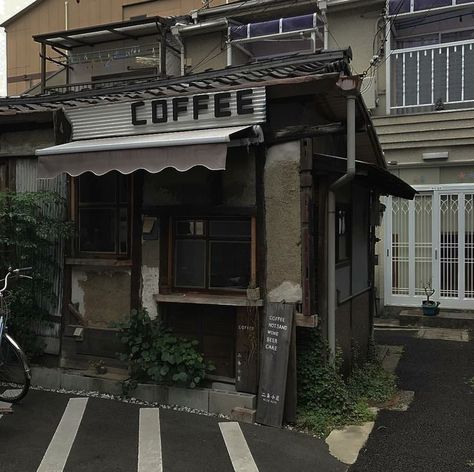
{"x":331,"y":260}
{"x":323,"y":7}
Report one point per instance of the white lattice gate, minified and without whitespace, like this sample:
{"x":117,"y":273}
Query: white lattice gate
{"x":430,"y":241}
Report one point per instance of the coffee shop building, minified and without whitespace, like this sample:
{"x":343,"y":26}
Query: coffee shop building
{"x":213,"y":201}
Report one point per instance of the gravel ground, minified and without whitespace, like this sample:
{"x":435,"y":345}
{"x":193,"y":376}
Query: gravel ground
{"x":436,"y":434}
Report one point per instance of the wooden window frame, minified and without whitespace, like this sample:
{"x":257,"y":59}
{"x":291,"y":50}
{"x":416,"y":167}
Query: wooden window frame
{"x":171,"y":259}
{"x":76,"y":206}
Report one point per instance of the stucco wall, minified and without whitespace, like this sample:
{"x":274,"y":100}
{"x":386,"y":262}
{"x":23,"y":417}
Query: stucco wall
{"x":25,"y":143}
{"x":150,"y":274}
{"x":283,"y":222}
{"x":102,"y":295}
{"x":197,"y":186}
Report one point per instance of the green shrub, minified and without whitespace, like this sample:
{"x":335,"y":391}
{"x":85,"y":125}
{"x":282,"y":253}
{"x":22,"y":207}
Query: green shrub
{"x":32,"y":226}
{"x":327,"y":400}
{"x":371,"y":383}
{"x":155,"y":354}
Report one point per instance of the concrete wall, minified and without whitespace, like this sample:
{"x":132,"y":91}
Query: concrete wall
{"x":283,"y":222}
{"x":356,"y":26}
{"x":208,"y":51}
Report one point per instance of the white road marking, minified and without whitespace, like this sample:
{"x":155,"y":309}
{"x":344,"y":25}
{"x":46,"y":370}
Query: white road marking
{"x":60,"y":446}
{"x":149,"y":441}
{"x":5,"y":407}
{"x":237,"y":447}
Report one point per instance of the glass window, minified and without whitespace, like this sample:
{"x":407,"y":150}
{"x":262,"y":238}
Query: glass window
{"x":343,"y":235}
{"x":103,"y":214}
{"x":190,"y":263}
{"x":229,"y":263}
{"x":212,"y":253}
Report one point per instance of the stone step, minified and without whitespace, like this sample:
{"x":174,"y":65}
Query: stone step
{"x":444,"y":319}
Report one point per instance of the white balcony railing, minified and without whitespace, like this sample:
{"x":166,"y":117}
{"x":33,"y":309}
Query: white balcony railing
{"x":437,"y":76}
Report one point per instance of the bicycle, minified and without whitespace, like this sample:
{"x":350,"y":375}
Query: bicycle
{"x":15,"y":374}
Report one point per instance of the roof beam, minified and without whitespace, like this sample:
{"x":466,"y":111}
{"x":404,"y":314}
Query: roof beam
{"x":123,"y":34}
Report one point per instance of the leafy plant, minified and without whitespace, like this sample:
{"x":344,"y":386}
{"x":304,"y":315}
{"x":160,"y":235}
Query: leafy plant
{"x":470,"y":382}
{"x":371,"y":383}
{"x":155,"y":354}
{"x":327,"y":400}
{"x":32,"y":225}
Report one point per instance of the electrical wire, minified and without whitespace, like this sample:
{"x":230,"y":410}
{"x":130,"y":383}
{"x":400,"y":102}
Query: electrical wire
{"x":387,"y":56}
{"x":381,"y":28}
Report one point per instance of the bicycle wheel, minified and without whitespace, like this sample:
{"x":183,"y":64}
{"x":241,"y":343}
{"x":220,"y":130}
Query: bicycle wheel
{"x":14,"y":371}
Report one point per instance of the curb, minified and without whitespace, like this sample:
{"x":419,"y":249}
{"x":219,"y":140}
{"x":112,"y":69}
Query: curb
{"x":213,"y":401}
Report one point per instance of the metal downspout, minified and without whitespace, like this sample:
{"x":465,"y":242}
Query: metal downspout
{"x":331,"y":261}
{"x":322,"y":5}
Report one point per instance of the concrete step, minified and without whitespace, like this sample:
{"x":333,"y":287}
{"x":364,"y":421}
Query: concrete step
{"x":444,"y":319}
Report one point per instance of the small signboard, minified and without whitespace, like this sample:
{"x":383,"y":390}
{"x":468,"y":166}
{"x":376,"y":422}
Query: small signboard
{"x":246,"y":367}
{"x":277,"y":328}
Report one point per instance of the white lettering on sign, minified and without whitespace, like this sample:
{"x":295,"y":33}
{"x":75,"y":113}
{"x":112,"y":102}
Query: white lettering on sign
{"x":272,"y":335}
{"x":270,"y":398}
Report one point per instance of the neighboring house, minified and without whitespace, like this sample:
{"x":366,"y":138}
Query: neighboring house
{"x":421,"y":96}
{"x":45,"y":16}
{"x":188,"y":190}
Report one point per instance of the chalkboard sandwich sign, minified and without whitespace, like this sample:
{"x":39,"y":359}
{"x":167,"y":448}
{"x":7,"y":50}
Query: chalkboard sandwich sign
{"x":277,"y":328}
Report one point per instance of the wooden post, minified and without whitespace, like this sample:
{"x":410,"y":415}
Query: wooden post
{"x":253,"y":252}
{"x":291,"y":380}
{"x":43,"y":67}
{"x":307,"y":249}
{"x":136,"y":239}
{"x":163,"y":31}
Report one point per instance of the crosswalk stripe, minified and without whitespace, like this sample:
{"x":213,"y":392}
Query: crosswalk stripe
{"x":60,"y":446}
{"x":237,"y":447}
{"x":149,"y":441}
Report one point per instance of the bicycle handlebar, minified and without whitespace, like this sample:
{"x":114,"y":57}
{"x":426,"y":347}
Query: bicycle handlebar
{"x":23,"y":269}
{"x":15,"y":272}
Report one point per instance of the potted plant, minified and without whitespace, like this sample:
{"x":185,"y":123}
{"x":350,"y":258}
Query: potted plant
{"x":430,"y":307}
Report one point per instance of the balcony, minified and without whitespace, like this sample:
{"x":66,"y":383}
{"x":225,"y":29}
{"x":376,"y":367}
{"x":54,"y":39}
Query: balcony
{"x":400,"y":7}
{"x":434,"y":77}
{"x":108,"y":55}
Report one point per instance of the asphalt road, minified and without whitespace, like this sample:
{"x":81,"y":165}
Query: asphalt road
{"x":436,"y":434}
{"x":108,"y":437}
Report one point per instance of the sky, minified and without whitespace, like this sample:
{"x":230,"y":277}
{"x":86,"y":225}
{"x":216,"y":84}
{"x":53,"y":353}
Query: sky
{"x":7,"y":9}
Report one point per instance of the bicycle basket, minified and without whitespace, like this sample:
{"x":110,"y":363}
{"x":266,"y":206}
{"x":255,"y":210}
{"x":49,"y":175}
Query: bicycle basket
{"x":4,"y":306}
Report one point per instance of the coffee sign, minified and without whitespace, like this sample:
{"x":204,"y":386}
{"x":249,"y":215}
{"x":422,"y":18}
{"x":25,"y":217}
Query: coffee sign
{"x":244,"y":107}
{"x":179,"y":109}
